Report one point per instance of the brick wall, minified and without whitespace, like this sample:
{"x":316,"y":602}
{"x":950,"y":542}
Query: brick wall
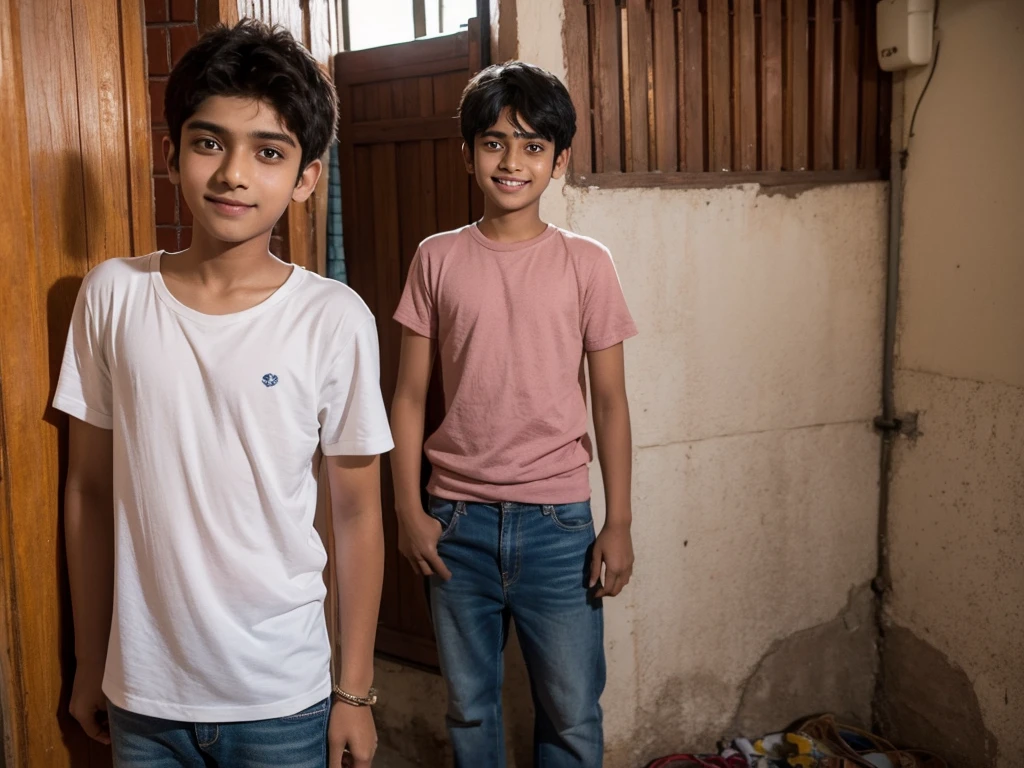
{"x":171,"y":29}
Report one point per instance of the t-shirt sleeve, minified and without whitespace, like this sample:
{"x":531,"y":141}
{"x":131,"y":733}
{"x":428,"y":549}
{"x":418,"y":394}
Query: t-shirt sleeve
{"x":417,"y":310}
{"x":606,"y":320}
{"x":353,"y":421}
{"x":84,"y":388}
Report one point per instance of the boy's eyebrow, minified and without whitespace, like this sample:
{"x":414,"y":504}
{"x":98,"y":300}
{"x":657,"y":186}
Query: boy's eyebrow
{"x":205,"y":125}
{"x":515,"y":134}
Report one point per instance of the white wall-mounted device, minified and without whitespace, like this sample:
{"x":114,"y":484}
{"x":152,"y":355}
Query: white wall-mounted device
{"x":905,"y":33}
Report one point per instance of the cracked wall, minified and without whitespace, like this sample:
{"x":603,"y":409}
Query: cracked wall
{"x":954,"y":644}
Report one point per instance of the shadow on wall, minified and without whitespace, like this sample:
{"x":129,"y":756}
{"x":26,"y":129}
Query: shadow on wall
{"x":75,"y":239}
{"x":916,"y":673}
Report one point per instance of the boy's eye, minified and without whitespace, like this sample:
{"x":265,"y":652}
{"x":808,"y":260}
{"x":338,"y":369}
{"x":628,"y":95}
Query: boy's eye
{"x":535,"y":148}
{"x":208,"y":144}
{"x":269,"y":153}
{"x":492,"y":145}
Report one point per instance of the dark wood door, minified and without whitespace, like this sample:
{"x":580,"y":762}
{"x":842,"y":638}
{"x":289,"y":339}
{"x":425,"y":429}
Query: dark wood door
{"x":403,"y":179}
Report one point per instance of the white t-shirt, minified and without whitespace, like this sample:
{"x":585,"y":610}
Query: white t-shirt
{"x":218,"y":598}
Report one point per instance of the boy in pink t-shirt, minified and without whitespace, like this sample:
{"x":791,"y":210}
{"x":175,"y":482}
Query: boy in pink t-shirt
{"x":512,"y":306}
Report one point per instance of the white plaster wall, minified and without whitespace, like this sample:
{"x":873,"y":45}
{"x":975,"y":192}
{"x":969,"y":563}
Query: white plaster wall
{"x":957,"y":513}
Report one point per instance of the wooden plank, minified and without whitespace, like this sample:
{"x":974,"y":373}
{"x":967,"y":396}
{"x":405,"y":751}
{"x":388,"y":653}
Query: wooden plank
{"x":771,"y":88}
{"x":666,"y":89}
{"x":869,"y":74}
{"x":384,"y":100}
{"x":718,"y":180}
{"x":212,"y":12}
{"x":745,"y":156}
{"x":371,"y":97}
{"x":607,"y":94}
{"x":577,"y":59}
{"x":796,"y":117}
{"x":419,"y":53}
{"x":823,"y":117}
{"x":137,"y":126}
{"x":419,"y":18}
{"x":448,"y":92}
{"x":638,"y":29}
{"x":427,"y":197}
{"x":447,"y":173}
{"x":318,"y":28}
{"x":357,"y":96}
{"x":690,"y":36}
{"x":19,"y":441}
{"x":849,"y":65}
{"x":719,"y":87}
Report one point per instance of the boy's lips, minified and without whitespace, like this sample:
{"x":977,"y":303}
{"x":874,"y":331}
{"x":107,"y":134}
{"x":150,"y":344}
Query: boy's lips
{"x":509,"y":183}
{"x":228,"y":206}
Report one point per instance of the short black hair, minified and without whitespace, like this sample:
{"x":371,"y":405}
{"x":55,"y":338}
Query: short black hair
{"x":254,"y":60}
{"x":531,"y":94}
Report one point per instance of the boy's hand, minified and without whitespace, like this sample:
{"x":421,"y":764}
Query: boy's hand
{"x":351,"y":737}
{"x":417,"y":540}
{"x":88,"y":704}
{"x":613,"y":548}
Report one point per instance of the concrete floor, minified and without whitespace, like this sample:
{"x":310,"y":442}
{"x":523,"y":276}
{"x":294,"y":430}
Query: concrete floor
{"x":388,"y":758}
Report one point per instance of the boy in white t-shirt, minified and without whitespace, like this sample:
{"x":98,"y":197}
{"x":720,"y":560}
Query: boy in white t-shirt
{"x":204,"y":387}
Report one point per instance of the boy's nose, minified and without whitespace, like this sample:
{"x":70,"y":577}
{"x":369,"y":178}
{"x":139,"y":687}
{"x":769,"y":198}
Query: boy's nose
{"x":234,"y":171}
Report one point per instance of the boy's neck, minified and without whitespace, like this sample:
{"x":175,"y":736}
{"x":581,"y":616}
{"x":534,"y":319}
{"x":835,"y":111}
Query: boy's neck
{"x":216,"y":261}
{"x":511,"y":226}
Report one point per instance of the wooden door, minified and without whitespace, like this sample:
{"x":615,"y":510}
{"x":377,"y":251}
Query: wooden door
{"x":403,"y":179}
{"x":75,"y":159}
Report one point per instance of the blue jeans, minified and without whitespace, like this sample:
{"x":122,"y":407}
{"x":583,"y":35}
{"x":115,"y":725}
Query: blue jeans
{"x":296,"y":741}
{"x":529,"y":564}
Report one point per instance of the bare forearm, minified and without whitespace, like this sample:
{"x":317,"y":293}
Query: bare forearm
{"x":89,"y":535}
{"x":407,"y":417}
{"x":359,"y":554}
{"x":615,"y":450}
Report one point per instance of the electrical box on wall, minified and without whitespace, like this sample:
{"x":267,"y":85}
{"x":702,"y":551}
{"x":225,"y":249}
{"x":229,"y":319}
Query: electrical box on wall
{"x":905,"y":33}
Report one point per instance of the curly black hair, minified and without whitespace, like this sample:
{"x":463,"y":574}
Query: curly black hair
{"x":531,"y":93}
{"x":254,"y":60}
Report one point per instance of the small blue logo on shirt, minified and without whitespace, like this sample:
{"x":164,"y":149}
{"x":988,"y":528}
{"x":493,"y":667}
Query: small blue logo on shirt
{"x":269,"y":380}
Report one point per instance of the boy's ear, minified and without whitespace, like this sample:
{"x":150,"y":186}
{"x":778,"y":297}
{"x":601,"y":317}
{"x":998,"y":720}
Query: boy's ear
{"x":467,"y":156}
{"x":307,"y":181}
{"x":172,"y":162}
{"x":561,"y":163}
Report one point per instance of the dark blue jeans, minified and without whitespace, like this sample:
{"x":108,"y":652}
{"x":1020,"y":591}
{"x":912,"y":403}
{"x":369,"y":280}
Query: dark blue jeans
{"x":529,"y":564}
{"x":296,"y":741}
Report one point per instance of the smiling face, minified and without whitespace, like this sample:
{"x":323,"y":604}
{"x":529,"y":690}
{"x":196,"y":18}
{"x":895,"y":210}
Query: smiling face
{"x":237,"y":168}
{"x":513,"y":165}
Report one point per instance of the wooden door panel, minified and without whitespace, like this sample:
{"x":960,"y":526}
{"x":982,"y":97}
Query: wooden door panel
{"x":76,"y":158}
{"x":403,"y":179}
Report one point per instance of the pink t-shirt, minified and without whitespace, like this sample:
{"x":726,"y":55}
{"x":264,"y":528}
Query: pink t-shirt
{"x":512,"y":323}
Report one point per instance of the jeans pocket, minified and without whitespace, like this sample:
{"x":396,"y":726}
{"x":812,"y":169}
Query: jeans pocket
{"x":447,"y":513}
{"x":320,"y":709}
{"x":570,"y":517}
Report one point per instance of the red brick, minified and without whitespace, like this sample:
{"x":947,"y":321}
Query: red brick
{"x":184,"y":213}
{"x":156,"y":11}
{"x":182,"y":38}
{"x":157,"y":88}
{"x":167,"y":238}
{"x":184,"y":237}
{"x":159,"y":163}
{"x":156,"y":50}
{"x":165,"y":195}
{"x":183,"y":10}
